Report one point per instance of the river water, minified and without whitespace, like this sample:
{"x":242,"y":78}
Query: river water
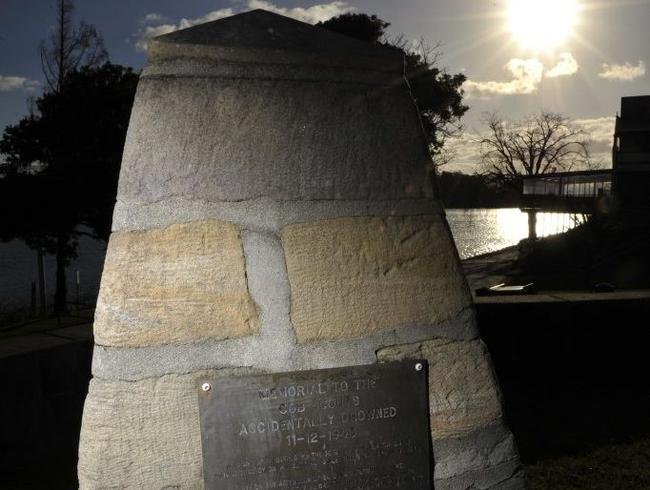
{"x":19,"y":269}
{"x":480,"y":231}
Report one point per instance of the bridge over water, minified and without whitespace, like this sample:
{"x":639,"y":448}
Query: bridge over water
{"x":572,"y":192}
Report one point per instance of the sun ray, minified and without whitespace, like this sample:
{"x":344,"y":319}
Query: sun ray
{"x":584,"y":42}
{"x":481,"y":39}
{"x":495,"y":56}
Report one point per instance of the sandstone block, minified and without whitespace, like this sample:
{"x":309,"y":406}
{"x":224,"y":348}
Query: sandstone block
{"x":352,"y":277}
{"x":463,"y":394}
{"x":484,"y":448}
{"x":505,"y":476}
{"x":141,"y":435}
{"x":183,"y":283}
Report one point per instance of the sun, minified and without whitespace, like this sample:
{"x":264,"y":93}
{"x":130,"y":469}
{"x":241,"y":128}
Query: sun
{"x":542,"y":24}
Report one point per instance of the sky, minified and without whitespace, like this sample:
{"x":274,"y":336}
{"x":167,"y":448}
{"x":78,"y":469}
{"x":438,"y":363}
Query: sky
{"x":576,"y":57}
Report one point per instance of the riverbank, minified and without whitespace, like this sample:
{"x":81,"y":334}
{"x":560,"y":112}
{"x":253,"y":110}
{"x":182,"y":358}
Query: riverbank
{"x":597,"y":255}
{"x":491,"y":268}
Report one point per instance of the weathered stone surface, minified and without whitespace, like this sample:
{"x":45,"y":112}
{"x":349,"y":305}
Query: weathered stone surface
{"x":517,"y":481}
{"x":272,"y":350}
{"x":484,"y":448}
{"x":143,"y":434}
{"x":357,"y":276}
{"x":264,"y":215}
{"x":183,"y":283}
{"x":234,"y":140}
{"x":505,"y":476}
{"x":486,"y":458}
{"x":463,"y":394}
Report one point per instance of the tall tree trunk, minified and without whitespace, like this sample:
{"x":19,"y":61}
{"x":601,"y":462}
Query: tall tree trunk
{"x":41,"y":280}
{"x":60,"y":294}
{"x":532,"y":225}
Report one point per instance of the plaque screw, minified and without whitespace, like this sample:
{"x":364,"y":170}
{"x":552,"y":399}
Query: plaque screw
{"x":206,"y":386}
{"x":419,"y":366}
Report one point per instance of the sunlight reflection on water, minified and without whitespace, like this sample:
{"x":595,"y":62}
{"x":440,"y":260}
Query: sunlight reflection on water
{"x":479,"y":231}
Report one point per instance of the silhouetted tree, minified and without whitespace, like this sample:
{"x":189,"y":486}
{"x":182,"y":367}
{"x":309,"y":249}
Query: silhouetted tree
{"x":459,"y":190}
{"x":42,"y":159}
{"x":62,"y":163}
{"x":69,"y":47}
{"x":364,"y":27}
{"x":538,"y":144}
{"x":438,"y":94}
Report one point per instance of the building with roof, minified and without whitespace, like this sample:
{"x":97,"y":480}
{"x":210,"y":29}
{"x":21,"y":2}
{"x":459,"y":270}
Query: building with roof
{"x":631,"y":154}
{"x":625,"y":187}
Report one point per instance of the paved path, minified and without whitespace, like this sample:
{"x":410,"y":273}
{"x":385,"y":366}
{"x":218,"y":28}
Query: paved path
{"x":24,"y":344}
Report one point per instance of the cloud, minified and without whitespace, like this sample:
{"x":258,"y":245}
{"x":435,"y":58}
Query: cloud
{"x":311,"y":15}
{"x":466,"y":152}
{"x":626,"y":72}
{"x":9,"y":83}
{"x":153,"y":17}
{"x":600,"y":128}
{"x":601,"y":135}
{"x":209,"y":17}
{"x":567,"y":65}
{"x":149,"y":32}
{"x":153,"y":31}
{"x":527,"y":75}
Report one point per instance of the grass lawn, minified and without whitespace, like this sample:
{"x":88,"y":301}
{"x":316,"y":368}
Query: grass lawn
{"x":608,"y":467}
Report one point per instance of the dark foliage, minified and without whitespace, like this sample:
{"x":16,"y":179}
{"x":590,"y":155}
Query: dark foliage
{"x":70,"y":151}
{"x":62,"y":163}
{"x":438,"y":94}
{"x":603,"y":250}
{"x":364,"y":27}
{"x":458,"y":190}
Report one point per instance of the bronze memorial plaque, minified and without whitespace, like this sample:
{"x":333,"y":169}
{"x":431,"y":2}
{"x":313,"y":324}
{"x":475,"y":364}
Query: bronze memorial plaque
{"x":352,"y":428}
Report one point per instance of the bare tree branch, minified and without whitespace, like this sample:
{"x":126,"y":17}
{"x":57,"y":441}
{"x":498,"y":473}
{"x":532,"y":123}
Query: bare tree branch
{"x":542,"y":143}
{"x":69,"y":47}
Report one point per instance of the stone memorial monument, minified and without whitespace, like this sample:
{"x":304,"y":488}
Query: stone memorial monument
{"x":275,"y":214}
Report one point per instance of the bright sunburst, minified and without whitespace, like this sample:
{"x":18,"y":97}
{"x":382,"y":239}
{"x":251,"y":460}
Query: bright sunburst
{"x":542,"y":24}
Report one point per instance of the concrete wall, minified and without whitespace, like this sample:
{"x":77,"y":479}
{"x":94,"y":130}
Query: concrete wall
{"x":283,"y":222}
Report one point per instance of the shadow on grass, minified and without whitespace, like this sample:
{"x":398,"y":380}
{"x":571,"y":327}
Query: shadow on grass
{"x":574,"y":382}
{"x":42,"y":394}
